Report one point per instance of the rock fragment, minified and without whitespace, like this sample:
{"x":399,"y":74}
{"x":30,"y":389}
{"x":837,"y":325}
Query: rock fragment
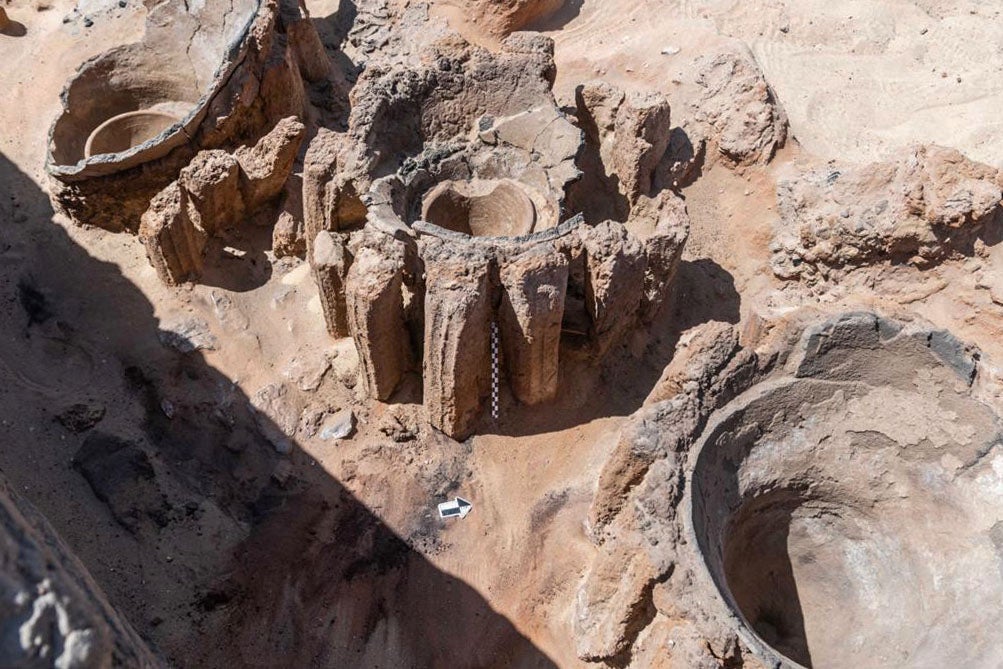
{"x":615,"y":271}
{"x":277,"y":413}
{"x":663,"y":246}
{"x":266,"y":166}
{"x":631,"y":130}
{"x":919,"y":207}
{"x":331,"y":261}
{"x":81,"y":416}
{"x":188,"y":335}
{"x":212,"y":185}
{"x":339,"y":425}
{"x":307,"y":370}
{"x":287,"y":236}
{"x":739,"y":109}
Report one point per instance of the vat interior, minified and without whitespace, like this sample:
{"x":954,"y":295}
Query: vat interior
{"x":859,"y":526}
{"x":130,"y":129}
{"x":480,"y":208}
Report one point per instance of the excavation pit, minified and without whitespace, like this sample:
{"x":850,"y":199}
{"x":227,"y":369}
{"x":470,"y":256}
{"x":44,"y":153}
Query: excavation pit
{"x":850,"y":515}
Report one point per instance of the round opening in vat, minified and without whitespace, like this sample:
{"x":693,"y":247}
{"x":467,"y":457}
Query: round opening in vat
{"x":856,"y":522}
{"x":125,"y":131}
{"x":480,"y":208}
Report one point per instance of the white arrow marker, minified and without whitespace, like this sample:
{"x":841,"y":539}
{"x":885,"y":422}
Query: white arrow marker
{"x":459,"y":507}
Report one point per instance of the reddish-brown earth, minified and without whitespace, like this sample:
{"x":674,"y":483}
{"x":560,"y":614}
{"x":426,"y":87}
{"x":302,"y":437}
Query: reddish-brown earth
{"x":198,"y":433}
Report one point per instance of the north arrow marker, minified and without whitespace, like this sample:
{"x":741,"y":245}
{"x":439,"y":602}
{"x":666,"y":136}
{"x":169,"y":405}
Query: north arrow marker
{"x":458,"y":508}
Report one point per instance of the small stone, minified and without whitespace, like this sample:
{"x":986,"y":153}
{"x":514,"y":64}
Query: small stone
{"x":81,"y":417}
{"x":394,"y":427}
{"x":996,"y":293}
{"x":670,"y":51}
{"x":277,"y":414}
{"x":307,"y":371}
{"x":311,"y":419}
{"x":287,"y":236}
{"x":230,"y":316}
{"x":168,"y":408}
{"x":88,"y":22}
{"x":346,"y":362}
{"x":189,"y":335}
{"x":282,"y":473}
{"x":339,"y":425}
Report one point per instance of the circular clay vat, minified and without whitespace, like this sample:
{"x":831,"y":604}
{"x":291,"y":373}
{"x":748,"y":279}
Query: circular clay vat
{"x":128,"y":130}
{"x":480,"y":208}
{"x":135,"y":92}
{"x":851,"y":515}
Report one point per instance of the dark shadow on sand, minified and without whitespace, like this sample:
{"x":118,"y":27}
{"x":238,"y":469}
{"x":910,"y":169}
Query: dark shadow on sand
{"x":178,"y":453}
{"x":702,"y":291}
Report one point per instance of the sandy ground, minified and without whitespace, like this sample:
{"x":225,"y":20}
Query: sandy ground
{"x":856,"y":78}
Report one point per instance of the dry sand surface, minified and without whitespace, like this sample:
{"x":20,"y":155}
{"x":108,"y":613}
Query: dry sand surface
{"x":346,"y":530}
{"x":857,"y":79}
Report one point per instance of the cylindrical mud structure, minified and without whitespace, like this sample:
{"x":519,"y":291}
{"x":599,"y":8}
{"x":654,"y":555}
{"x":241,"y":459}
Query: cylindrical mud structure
{"x":206,"y":75}
{"x":454,"y":188}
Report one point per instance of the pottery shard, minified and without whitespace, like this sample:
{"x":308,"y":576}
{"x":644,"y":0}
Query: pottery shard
{"x":331,"y":260}
{"x":375,"y":310}
{"x":266,"y":165}
{"x":212,"y":184}
{"x":458,"y":313}
{"x":174,"y":244}
{"x":614,"y":282}
{"x":535,"y":285}
{"x":632,"y":131}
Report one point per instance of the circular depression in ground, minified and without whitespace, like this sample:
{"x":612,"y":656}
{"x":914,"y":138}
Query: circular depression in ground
{"x":850,"y":516}
{"x":480,"y":208}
